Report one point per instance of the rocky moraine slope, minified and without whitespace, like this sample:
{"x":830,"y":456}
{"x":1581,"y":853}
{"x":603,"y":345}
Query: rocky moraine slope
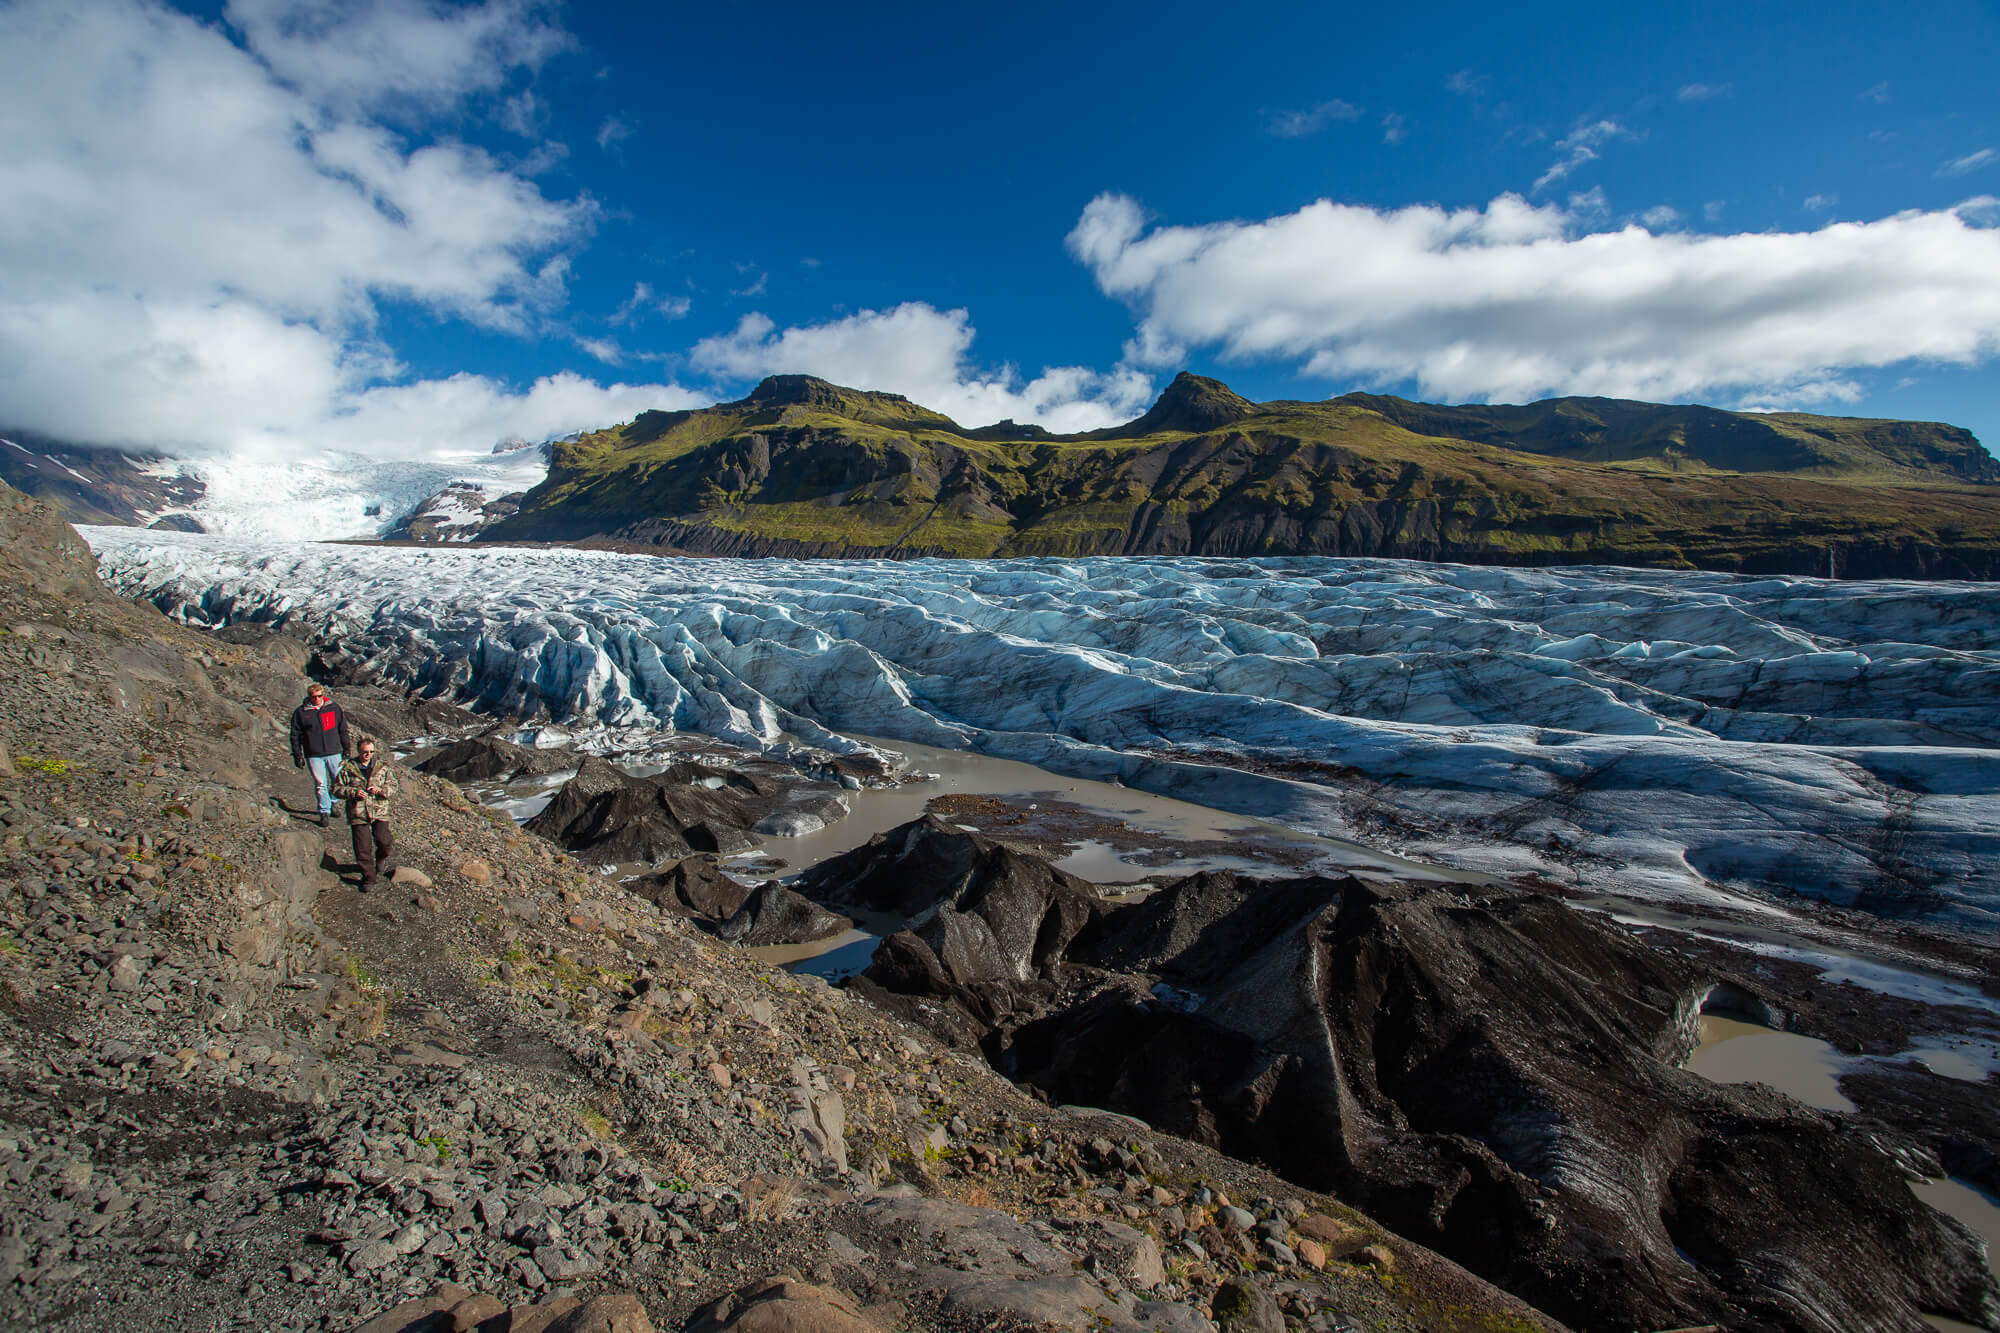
{"x":505,"y":1092}
{"x":806,"y":468}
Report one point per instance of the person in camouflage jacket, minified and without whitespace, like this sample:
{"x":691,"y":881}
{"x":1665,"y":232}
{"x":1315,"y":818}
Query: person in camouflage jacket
{"x":366,"y":782}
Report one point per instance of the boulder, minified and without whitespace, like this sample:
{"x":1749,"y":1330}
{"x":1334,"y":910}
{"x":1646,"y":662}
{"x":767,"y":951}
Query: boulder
{"x":781,"y":1304}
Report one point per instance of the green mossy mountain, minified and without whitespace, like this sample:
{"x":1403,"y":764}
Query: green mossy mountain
{"x":802,"y":467}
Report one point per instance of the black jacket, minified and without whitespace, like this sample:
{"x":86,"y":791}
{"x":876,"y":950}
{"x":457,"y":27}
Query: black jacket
{"x":318,"y":731}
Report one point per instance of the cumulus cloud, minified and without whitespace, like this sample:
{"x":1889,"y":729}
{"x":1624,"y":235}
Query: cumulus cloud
{"x":925,"y":354}
{"x":200,"y":233}
{"x":1514,"y":301}
{"x":1660,"y":216}
{"x":1299,"y":124}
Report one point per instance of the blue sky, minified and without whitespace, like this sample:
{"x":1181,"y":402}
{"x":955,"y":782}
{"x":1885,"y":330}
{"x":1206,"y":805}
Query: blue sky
{"x":416,"y":228}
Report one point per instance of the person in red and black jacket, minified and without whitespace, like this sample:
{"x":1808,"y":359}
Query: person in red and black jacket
{"x":319,"y":742}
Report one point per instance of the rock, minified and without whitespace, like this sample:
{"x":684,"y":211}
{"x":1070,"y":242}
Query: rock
{"x":126,"y":973}
{"x":409,"y":877}
{"x":719,"y":1074}
{"x":426,"y":1314}
{"x":371,"y":1256}
{"x":1312,"y":1254}
{"x":1234,"y":1219}
{"x":781,"y":1304}
{"x":1244,"y":1307}
{"x":6,"y":764}
{"x":475,"y":871}
{"x":773,"y":914}
{"x":474,"y":1311}
{"x":1131,"y":1253}
{"x":1377,"y":1257}
{"x":618,"y":1312}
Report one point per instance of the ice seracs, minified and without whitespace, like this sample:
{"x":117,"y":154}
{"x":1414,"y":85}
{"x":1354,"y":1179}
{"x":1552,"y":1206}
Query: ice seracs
{"x":1659,"y":733}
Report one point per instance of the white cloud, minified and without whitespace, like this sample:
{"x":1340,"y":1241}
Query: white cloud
{"x":1660,"y":216}
{"x":1394,"y":131}
{"x":1877,"y":94}
{"x":199,"y":234}
{"x":614,"y":130}
{"x":644,"y":300}
{"x":1299,"y":124}
{"x":1970,"y":162}
{"x":1580,"y":146}
{"x":1712,"y":210}
{"x":1590,"y":203}
{"x":363,"y":56}
{"x":524,"y":113}
{"x":924,"y":353}
{"x":1515,"y":301}
{"x":1817,"y":202}
{"x":1466,"y":83}
{"x":1703,"y":92}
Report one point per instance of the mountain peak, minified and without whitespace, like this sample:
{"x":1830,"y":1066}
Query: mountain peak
{"x":795,"y":391}
{"x":1193,"y":403}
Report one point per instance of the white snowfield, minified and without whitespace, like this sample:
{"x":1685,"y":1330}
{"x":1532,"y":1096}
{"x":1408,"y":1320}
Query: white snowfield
{"x":1647,"y":734}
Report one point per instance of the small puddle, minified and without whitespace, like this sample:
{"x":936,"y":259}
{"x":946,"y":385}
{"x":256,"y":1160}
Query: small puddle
{"x":1803,"y":1068}
{"x":1967,"y":1059}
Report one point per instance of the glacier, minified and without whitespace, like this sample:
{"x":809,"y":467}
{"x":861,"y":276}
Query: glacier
{"x":335,"y":495}
{"x":1648,"y":734}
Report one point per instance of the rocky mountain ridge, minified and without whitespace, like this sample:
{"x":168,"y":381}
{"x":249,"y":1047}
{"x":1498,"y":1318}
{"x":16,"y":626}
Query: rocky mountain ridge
{"x":801,"y":467}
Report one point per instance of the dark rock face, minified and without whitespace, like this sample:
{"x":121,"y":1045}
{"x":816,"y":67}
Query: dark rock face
{"x":991,"y":925}
{"x":693,"y":887}
{"x":1496,"y":1079}
{"x":773,"y":914}
{"x":614,"y":816}
{"x":480,"y":758}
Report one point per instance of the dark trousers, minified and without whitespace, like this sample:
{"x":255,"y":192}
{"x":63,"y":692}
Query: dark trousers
{"x":372,"y":845}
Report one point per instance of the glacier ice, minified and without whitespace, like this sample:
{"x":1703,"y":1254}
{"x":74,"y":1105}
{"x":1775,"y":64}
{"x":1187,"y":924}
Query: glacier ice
{"x":1659,"y":733}
{"x":334,"y":495}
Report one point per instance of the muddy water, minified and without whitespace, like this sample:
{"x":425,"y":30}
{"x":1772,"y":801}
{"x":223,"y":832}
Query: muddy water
{"x":1803,"y":1068}
{"x":958,"y":773}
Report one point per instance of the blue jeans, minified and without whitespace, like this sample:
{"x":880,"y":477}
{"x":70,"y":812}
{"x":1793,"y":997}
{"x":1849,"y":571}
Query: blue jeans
{"x":323,"y":767}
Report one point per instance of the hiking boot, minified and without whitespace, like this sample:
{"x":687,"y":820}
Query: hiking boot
{"x":367,"y":884}
{"x":322,"y":821}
